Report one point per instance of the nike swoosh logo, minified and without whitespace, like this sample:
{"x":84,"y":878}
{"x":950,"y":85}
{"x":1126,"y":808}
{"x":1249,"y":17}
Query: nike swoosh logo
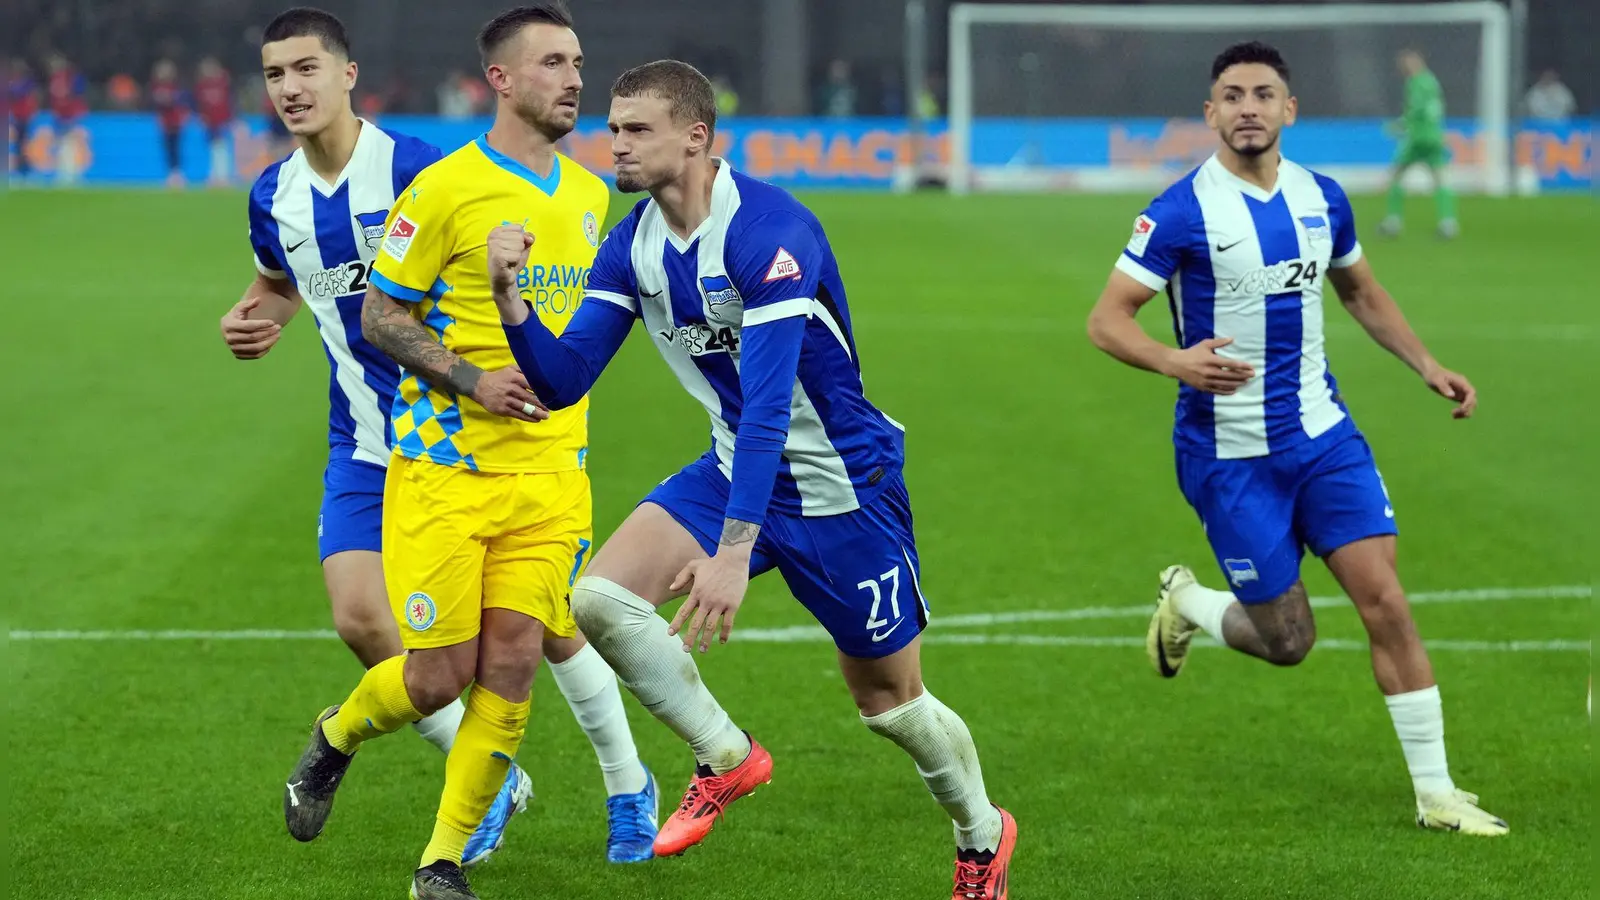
{"x":1167,"y":671}
{"x":665,"y":336}
{"x":645,"y":293}
{"x":1222,"y":249}
{"x":293,"y":799}
{"x":876,"y":637}
{"x":293,"y":247}
{"x":1388,"y":512}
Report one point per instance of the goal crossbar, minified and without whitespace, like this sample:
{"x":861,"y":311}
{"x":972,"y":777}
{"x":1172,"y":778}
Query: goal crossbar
{"x":1494,"y":56}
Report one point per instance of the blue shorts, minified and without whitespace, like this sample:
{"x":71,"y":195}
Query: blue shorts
{"x":1261,"y":513}
{"x":857,"y":572}
{"x":352,"y":507}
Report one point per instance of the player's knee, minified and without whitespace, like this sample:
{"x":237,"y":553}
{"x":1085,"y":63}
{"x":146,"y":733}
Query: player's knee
{"x":878,"y":690}
{"x":878,"y":699}
{"x":594,"y":612}
{"x":508,"y":676}
{"x":369,"y":633}
{"x":508,"y":664}
{"x":1386,"y":612}
{"x":1291,"y":647}
{"x":431,"y":696}
{"x":437,"y":689}
{"x":437,"y":678}
{"x":508,"y":651}
{"x":601,"y":607}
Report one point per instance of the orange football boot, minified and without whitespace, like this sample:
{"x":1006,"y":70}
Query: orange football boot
{"x":983,"y":876}
{"x":707,"y":799}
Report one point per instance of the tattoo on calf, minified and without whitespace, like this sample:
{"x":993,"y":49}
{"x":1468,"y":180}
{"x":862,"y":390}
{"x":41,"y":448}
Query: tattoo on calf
{"x":1287,"y":614}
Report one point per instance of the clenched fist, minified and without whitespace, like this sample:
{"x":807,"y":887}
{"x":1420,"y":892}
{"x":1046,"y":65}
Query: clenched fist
{"x":508,"y":254}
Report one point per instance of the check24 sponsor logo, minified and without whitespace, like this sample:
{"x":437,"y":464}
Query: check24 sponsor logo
{"x":1278,"y":278}
{"x":338,"y":281}
{"x":701,"y":339}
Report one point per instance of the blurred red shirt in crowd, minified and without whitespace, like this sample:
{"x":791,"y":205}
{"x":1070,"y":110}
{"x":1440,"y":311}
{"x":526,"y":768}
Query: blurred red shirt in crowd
{"x":68,"y":91}
{"x":213,"y":95}
{"x":167,"y":96}
{"x":22,"y":92}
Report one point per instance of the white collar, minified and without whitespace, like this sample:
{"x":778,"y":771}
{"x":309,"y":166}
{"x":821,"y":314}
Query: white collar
{"x":1254,"y":191}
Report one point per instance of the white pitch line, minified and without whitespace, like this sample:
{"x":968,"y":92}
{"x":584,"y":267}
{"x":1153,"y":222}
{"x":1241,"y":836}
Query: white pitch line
{"x":798,"y":634}
{"x":1475,"y":595}
{"x":1049,"y":326}
{"x":136,"y":634}
{"x":802,"y":634}
{"x":1063,"y":640}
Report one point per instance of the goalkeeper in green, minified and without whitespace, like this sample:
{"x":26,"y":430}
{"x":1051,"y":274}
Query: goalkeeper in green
{"x":1421,"y":141}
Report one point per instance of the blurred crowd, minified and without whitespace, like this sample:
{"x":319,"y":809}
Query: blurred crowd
{"x":48,"y":95}
{"x":211,"y":97}
{"x":205,"y":94}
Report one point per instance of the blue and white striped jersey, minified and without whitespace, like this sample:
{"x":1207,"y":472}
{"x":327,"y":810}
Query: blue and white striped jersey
{"x":323,"y":237}
{"x":1248,"y":264}
{"x":750,"y":315}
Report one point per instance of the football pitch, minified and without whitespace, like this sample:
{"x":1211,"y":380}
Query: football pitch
{"x":153,"y":483}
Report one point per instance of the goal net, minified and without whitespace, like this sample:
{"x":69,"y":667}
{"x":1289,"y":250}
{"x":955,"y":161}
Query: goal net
{"x":1108,"y":97}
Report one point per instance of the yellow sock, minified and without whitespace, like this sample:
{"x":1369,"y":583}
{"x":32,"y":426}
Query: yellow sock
{"x":378,"y":705}
{"x":489,"y":736}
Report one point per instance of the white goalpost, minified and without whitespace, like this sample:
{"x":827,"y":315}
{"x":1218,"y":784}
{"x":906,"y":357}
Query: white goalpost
{"x":1023,"y":79}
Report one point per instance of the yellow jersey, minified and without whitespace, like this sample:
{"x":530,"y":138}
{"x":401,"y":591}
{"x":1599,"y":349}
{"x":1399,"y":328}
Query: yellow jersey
{"x":434,"y":257}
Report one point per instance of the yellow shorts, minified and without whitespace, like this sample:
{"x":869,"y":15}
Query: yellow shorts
{"x":457,"y":542}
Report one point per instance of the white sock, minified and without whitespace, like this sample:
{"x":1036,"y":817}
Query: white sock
{"x":591,"y":690}
{"x":1419,"y":721}
{"x":1204,"y":607}
{"x":940,"y":744}
{"x":440,"y":728}
{"x":626,"y":630}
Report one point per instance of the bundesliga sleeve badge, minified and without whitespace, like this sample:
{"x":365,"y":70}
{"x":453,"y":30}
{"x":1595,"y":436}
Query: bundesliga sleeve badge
{"x":400,"y":236}
{"x":1143,"y":227}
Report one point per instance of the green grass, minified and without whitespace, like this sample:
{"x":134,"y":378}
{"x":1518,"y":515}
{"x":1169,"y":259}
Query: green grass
{"x":150,"y":481}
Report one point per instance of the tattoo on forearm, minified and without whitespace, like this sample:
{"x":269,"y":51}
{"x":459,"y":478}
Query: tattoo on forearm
{"x":463,"y":377}
{"x":391,"y":328}
{"x":735,"y":532}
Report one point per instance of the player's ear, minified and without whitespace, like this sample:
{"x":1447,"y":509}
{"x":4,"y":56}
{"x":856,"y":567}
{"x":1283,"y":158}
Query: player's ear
{"x":699,"y":138}
{"x":350,"y":73}
{"x":496,"y":76}
{"x":1211,"y":116}
{"x":1291,"y":107}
